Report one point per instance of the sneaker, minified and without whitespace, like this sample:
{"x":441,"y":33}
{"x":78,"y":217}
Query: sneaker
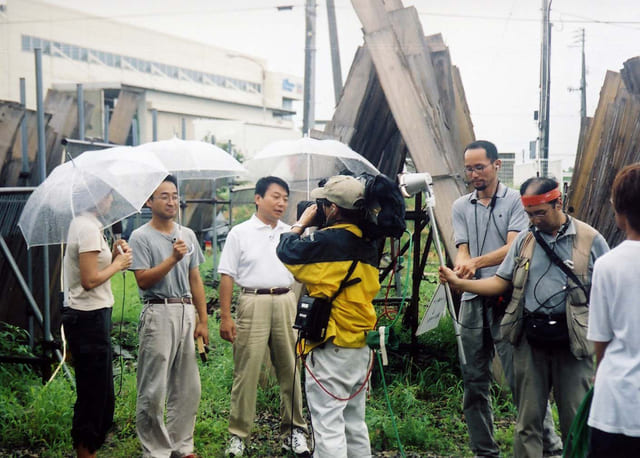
{"x":235,"y":448}
{"x":297,"y":442}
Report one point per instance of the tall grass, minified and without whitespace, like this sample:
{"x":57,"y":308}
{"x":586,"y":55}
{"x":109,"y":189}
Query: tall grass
{"x":424,"y":389}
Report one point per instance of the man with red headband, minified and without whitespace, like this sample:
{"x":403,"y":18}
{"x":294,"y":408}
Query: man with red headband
{"x":549,"y":268}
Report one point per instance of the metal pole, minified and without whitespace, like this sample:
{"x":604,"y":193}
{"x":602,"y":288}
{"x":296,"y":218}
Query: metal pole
{"x":42,"y":167}
{"x":436,"y":237}
{"x":184,"y":129}
{"x":107,"y":117}
{"x":308,"y":118}
{"x":545,"y":86}
{"x":80,"y":101}
{"x":154,"y":124}
{"x":24,"y":135}
{"x":335,"y":50}
{"x":583,"y":83}
{"x":135,"y":138}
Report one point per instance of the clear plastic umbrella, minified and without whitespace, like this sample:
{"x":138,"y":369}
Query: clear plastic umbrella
{"x":80,"y":185}
{"x":191,"y":159}
{"x":305,"y":161}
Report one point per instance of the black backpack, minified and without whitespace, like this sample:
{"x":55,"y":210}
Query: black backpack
{"x":385,"y":207}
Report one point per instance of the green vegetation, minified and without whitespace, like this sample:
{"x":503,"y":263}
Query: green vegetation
{"x":424,"y":389}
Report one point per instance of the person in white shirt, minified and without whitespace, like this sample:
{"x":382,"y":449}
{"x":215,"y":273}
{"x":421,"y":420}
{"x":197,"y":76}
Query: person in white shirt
{"x":614,"y":329}
{"x":264,"y":318}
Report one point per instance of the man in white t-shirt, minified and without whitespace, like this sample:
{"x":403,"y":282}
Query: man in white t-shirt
{"x":614,"y":329}
{"x":264,"y":318}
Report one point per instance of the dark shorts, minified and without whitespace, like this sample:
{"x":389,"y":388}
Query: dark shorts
{"x":608,"y":445}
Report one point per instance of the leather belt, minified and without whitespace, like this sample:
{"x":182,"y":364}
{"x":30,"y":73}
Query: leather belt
{"x":169,"y":300}
{"x":275,"y":291}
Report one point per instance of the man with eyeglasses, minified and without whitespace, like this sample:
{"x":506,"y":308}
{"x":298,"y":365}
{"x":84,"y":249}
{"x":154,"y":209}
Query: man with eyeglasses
{"x":485,"y":223}
{"x":166,"y":266}
{"x":549,"y":268}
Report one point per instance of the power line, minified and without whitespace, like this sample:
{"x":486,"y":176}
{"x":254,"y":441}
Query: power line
{"x":274,"y":8}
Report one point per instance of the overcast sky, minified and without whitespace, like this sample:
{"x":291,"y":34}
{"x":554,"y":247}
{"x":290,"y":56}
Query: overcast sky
{"x":495,"y":43}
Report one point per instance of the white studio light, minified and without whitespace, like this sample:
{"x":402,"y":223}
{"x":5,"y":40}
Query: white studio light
{"x":413,"y":183}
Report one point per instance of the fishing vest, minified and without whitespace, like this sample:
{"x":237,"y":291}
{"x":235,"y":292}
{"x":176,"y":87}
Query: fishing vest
{"x":577,"y":306}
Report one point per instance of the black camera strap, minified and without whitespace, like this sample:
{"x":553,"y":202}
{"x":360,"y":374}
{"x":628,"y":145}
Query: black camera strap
{"x":346,"y":282}
{"x":556,"y":260}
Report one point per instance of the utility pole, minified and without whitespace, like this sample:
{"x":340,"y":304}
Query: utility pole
{"x":545,"y":85}
{"x":583,"y":83}
{"x":335,"y":50}
{"x":308,"y":117}
{"x":583,"y":79}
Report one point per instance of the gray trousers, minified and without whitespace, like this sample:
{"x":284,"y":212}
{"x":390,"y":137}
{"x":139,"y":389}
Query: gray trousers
{"x":480,"y":340}
{"x":537,"y":371}
{"x":168,"y":378}
{"x":339,"y":428}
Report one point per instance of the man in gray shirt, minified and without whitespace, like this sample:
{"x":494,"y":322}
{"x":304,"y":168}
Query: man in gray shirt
{"x":485,"y":223}
{"x":546,"y":321}
{"x":165,"y":264}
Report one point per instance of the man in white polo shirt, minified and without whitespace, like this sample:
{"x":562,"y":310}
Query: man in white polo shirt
{"x":264,"y":318}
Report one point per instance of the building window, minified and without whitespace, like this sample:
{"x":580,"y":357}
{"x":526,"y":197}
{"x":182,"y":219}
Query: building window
{"x":78,"y":53}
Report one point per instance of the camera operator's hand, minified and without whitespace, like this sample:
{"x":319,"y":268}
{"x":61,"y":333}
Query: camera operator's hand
{"x":308,"y":215}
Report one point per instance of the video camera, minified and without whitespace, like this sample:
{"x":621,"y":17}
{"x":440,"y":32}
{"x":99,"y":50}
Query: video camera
{"x":319,"y":220}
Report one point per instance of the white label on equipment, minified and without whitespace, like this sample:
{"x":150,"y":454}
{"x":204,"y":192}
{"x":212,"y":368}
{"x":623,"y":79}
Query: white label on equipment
{"x":435,"y":311}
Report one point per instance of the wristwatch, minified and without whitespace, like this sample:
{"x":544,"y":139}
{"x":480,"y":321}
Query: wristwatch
{"x":297,"y":225}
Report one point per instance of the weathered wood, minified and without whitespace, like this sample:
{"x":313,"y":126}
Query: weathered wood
{"x":11,"y":115}
{"x":631,"y":75}
{"x":123,"y":112}
{"x":403,"y":66}
{"x":341,"y":127}
{"x":585,"y":160}
{"x":609,"y":141}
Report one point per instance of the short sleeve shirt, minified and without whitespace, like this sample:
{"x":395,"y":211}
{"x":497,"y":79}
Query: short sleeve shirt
{"x":249,"y":255}
{"x":150,"y":247}
{"x":86,"y":236}
{"x":484,"y":229}
{"x":614,"y":317}
{"x":546,"y":288}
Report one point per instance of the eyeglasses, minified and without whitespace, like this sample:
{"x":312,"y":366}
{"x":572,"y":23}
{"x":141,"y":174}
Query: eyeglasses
{"x":475,"y":168}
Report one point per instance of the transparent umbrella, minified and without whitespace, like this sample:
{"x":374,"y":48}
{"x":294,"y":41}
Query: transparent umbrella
{"x":305,"y":161}
{"x":80,"y":185}
{"x":191,"y":159}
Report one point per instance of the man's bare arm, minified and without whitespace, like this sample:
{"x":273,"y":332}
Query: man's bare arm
{"x":227,"y":325}
{"x":200,"y":301}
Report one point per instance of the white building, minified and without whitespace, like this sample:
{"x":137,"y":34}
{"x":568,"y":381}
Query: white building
{"x":187,"y":83}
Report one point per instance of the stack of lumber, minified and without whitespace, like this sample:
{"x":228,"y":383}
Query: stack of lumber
{"x":609,"y":141}
{"x":404,"y":97}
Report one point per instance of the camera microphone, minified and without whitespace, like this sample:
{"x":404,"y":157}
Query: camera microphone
{"x":117,"y":230}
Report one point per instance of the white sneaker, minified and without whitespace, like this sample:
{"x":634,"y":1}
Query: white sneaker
{"x":235,"y":448}
{"x":297,"y":442}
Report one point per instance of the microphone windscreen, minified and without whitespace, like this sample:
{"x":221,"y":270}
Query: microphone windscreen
{"x":117,"y":229}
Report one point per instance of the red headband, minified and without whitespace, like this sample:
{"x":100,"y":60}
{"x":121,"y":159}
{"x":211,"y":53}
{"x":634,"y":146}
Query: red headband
{"x":529,"y":201}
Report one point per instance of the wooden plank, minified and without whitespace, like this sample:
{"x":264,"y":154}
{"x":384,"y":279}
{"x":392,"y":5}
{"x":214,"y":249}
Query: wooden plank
{"x":402,"y":67}
{"x":123,"y":112}
{"x":11,"y":115}
{"x":341,"y":126}
{"x":11,"y":172}
{"x":585,"y":161}
{"x":462,"y":122}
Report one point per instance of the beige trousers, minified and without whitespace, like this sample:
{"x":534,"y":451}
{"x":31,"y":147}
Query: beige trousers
{"x":264,"y":321}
